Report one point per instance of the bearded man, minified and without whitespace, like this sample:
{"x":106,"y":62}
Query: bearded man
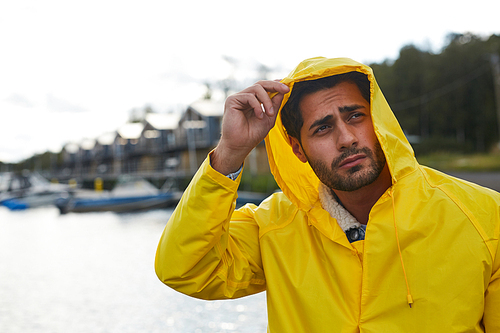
{"x":362,"y":238}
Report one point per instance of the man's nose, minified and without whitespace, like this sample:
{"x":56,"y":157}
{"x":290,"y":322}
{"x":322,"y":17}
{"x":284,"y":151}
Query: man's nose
{"x":346,"y":137}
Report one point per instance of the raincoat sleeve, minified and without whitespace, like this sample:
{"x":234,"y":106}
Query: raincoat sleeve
{"x":208,"y":250}
{"x":491,"y":319}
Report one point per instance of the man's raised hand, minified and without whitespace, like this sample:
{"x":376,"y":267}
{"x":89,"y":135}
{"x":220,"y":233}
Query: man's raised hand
{"x":248,"y":117}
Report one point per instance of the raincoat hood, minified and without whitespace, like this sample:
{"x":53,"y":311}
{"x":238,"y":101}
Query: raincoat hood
{"x":296,"y":179}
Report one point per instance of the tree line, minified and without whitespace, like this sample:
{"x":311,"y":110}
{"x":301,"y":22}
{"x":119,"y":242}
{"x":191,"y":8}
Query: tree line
{"x":445,"y":100}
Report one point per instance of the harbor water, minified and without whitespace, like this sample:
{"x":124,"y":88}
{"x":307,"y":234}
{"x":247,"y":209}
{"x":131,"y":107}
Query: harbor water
{"x":94,"y":272}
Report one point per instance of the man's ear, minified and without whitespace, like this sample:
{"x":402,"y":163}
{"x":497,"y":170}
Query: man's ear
{"x":297,"y":149}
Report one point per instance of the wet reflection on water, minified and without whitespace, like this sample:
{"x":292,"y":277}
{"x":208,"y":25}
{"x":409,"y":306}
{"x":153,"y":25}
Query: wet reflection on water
{"x":94,"y":273}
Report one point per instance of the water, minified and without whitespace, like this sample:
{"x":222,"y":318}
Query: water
{"x":95,"y":273}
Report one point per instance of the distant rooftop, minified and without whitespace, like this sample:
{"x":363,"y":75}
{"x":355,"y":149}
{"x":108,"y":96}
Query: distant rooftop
{"x":131,"y":130}
{"x":71,"y":147}
{"x":87,"y":144}
{"x":106,"y":138}
{"x":209,"y":108}
{"x":163,"y":121}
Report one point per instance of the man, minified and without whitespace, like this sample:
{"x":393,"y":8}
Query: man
{"x":362,"y":239}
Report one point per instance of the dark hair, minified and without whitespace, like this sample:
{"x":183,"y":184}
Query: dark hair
{"x":291,"y":115}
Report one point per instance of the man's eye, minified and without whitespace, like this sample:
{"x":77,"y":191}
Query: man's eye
{"x":321,"y":129}
{"x":356,"y":115}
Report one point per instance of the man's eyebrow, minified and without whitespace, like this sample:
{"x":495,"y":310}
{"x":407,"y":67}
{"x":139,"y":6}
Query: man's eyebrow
{"x":349,"y":108}
{"x":342,"y":109}
{"x":321,"y":121}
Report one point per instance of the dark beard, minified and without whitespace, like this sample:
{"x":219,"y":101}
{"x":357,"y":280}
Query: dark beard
{"x":358,"y":176}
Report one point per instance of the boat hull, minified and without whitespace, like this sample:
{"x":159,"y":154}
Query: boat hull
{"x":118,"y":204}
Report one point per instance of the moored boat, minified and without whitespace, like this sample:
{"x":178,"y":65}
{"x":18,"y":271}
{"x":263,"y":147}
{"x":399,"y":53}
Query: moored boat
{"x":130,"y":194}
{"x":29,"y":190}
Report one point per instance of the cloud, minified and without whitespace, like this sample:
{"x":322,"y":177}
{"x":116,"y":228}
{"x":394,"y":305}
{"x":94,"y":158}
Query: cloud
{"x":19,"y":100}
{"x":61,"y":105}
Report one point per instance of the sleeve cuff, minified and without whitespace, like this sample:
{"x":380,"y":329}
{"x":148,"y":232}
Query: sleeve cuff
{"x":235,"y":175}
{"x":232,"y":175}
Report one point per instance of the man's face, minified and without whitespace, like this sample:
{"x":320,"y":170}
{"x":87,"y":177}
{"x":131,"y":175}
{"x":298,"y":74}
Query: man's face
{"x":338,"y":138}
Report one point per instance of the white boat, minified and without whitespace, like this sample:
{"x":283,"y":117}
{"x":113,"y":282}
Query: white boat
{"x":29,"y":190}
{"x":130,"y":194}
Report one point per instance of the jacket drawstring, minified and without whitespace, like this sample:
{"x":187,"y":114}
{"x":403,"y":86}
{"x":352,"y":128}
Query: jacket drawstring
{"x":408,"y":296}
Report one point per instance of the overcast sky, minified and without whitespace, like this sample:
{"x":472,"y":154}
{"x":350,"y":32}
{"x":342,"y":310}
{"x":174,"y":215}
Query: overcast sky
{"x":72,"y":70}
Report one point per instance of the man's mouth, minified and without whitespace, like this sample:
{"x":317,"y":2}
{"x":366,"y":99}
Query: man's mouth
{"x":352,"y":161}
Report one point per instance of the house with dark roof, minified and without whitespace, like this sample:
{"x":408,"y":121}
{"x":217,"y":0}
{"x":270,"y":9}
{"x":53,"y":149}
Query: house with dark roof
{"x":103,"y":153}
{"x":158,"y":141}
{"x":199,"y":132}
{"x":127,"y":152}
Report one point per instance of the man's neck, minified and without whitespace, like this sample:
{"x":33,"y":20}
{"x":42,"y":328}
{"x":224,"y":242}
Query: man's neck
{"x":360,"y":202}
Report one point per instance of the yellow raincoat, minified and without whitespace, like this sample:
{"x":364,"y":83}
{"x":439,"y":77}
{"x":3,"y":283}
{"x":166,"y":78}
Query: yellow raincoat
{"x":431,"y":240}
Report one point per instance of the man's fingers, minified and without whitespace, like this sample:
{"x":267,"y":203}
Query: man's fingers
{"x":256,"y":105}
{"x":263,"y":91}
{"x":273,"y":86}
{"x":276,"y":91}
{"x":262,"y":97}
{"x":245,"y":102}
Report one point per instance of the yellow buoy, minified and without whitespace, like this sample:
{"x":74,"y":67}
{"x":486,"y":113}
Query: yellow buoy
{"x":98,"y":184}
